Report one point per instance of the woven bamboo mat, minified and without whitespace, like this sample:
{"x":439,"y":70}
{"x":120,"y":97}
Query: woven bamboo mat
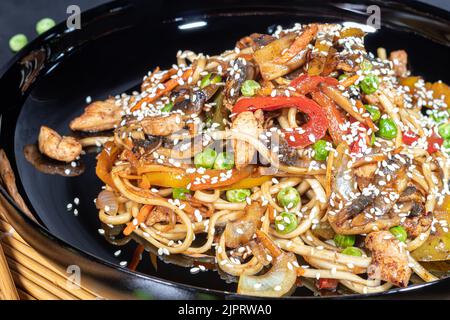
{"x":33,"y":276}
{"x":24,"y":273}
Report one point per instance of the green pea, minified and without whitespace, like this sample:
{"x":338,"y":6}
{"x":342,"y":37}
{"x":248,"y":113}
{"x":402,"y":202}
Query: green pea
{"x":444,"y":130}
{"x":180,"y":193}
{"x":369,"y":84}
{"x":249,"y":88}
{"x":366,"y":65}
{"x":17,"y":42}
{"x":352,"y":251}
{"x":167,"y":107}
{"x":288,"y":197}
{"x":320,"y":150}
{"x":286,"y":222}
{"x":237,"y":195}
{"x":224,"y":161}
{"x":44,"y":24}
{"x":344,"y":241}
{"x":399,"y":232}
{"x":205,"y":159}
{"x":387,"y":128}
{"x":446,"y":144}
{"x":206,"y":80}
{"x":438,"y":116}
{"x":374,"y":112}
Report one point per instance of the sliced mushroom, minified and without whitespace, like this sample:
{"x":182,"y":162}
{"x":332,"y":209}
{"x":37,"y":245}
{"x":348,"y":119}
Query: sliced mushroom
{"x":240,"y":232}
{"x":54,"y":146}
{"x":98,"y":116}
{"x":241,"y":70}
{"x":357,"y":216}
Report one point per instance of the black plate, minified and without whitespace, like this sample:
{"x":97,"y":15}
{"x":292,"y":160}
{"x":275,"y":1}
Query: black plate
{"x":48,"y":82}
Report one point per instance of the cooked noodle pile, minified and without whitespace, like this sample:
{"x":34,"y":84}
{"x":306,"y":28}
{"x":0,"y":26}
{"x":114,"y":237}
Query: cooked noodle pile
{"x":296,"y":154}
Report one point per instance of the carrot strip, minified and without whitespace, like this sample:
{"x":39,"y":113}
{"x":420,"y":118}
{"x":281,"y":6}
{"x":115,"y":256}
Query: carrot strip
{"x":168,"y":86}
{"x":137,"y":257}
{"x":349,"y":81}
{"x":141,"y":217}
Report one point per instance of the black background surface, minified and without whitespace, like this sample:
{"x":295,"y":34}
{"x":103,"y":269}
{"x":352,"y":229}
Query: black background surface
{"x":20,"y":16}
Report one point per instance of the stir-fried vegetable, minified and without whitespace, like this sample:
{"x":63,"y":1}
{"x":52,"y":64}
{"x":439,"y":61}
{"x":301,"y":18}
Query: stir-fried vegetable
{"x":205,"y":159}
{"x":369,"y":84}
{"x":352,"y":251}
{"x":437,"y":246}
{"x":288,"y":197}
{"x":286,"y":222}
{"x":223,"y":161}
{"x":399,"y":232}
{"x":105,"y":162}
{"x":387,"y":128}
{"x":276,"y":282}
{"x":306,"y":83}
{"x":344,"y":241}
{"x":180,"y":193}
{"x":238,"y":195}
{"x":250,"y":87}
{"x":375,"y":113}
{"x":320,"y":150}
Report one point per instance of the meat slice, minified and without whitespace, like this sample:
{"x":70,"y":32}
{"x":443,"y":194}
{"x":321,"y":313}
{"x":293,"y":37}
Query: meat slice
{"x":248,"y":123}
{"x":98,"y":116}
{"x":389,"y":258}
{"x":365,"y":174}
{"x":163,"y":125}
{"x":55,"y":146}
{"x":399,"y":59}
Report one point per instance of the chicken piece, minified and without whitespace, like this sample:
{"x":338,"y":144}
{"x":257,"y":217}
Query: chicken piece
{"x":365,"y":174}
{"x":98,"y":116}
{"x":399,"y":59}
{"x":56,"y":147}
{"x":248,"y":123}
{"x":162,"y":125}
{"x":159,"y":214}
{"x":389,"y":258}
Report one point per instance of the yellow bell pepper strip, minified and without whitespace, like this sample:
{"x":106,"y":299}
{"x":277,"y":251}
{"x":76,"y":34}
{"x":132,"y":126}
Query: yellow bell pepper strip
{"x":198,"y":181}
{"x":301,"y":137}
{"x":248,"y":183}
{"x":105,"y":161}
{"x":168,"y":179}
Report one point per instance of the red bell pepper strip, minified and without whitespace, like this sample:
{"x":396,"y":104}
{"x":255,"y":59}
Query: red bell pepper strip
{"x":327,"y":284}
{"x":301,"y":137}
{"x":334,"y":116}
{"x":360,"y":140}
{"x":409,"y":137}
{"x":306,"y":84}
{"x":434,"y":143}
